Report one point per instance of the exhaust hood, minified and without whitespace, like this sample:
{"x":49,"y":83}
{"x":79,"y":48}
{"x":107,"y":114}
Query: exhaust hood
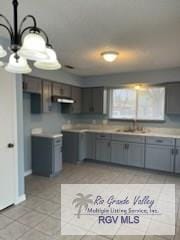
{"x":58,"y":99}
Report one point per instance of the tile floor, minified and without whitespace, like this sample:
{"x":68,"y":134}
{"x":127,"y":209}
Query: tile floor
{"x":38,"y":218}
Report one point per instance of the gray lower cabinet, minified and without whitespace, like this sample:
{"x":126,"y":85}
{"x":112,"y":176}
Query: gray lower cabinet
{"x":103,"y":150}
{"x":129,"y":154}
{"x":91,"y":145}
{"x":177,"y":160}
{"x":159,"y":157}
{"x":74,"y":147}
{"x":118,"y":154}
{"x":135,"y":154}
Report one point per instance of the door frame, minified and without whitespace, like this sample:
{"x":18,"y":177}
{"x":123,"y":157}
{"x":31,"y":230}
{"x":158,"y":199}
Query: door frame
{"x":16,"y":177}
{"x":17,"y":199}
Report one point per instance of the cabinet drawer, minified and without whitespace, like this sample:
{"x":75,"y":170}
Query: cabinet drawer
{"x":128,"y":138}
{"x":160,"y":141}
{"x":104,"y":136}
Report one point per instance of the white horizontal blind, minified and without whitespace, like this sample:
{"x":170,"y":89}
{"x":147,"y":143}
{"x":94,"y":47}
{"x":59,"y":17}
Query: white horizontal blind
{"x":144,"y":104}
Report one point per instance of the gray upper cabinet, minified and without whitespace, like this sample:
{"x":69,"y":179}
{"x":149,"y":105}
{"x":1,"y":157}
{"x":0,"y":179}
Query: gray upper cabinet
{"x":94,"y":100}
{"x":74,"y":108}
{"x":87,"y":100}
{"x":32,"y":84}
{"x":47,"y":97}
{"x":99,"y":99}
{"x":103,"y":150}
{"x":173,"y":98}
{"x":61,"y":90}
{"x":159,"y":157}
{"x":177,"y":160}
{"x":76,"y":96}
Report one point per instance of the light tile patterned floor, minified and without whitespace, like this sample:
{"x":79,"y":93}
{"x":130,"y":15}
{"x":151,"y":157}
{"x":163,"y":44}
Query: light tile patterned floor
{"x":38,"y":218}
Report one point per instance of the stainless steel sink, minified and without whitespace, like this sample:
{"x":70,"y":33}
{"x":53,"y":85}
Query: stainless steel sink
{"x":131,"y":131}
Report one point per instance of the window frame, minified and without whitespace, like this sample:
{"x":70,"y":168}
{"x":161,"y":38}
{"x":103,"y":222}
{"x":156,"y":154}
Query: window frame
{"x":136,"y":119}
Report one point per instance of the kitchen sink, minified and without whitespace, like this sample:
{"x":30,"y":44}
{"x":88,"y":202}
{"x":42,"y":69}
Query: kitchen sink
{"x":131,"y":131}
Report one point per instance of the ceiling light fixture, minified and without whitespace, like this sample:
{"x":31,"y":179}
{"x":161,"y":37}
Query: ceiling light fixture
{"x":110,"y":56}
{"x":34,"y":46}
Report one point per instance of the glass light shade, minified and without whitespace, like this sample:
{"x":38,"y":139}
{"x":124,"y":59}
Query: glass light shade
{"x":19,"y":66}
{"x":34,"y":47}
{"x":3,"y":52}
{"x":51,"y":63}
{"x":110,"y":56}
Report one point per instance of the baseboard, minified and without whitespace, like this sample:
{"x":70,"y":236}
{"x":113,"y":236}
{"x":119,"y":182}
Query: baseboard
{"x":20,"y":199}
{"x":27,"y":173}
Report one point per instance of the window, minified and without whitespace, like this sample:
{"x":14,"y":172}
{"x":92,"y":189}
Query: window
{"x":143,"y":104}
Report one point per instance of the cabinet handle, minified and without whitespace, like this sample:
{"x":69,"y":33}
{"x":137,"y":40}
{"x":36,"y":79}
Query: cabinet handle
{"x":177,"y":151}
{"x":159,"y":141}
{"x":172,"y":151}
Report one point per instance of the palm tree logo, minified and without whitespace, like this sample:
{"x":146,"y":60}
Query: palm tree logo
{"x":82,"y":201}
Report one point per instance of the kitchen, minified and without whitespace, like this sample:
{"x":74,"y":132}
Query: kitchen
{"x":109,"y":115}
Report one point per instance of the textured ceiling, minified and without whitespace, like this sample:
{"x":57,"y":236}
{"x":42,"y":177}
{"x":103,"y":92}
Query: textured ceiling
{"x":145,"y":32}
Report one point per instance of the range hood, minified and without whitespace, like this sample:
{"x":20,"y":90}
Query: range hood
{"x":58,"y":99}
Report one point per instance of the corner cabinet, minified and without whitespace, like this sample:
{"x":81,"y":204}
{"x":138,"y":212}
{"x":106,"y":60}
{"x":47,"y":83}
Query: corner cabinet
{"x":94,"y":100}
{"x":173,"y":98}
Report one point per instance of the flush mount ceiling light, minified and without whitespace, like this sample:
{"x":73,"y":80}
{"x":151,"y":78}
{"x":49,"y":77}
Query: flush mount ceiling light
{"x":34,"y":46}
{"x":110,"y":56}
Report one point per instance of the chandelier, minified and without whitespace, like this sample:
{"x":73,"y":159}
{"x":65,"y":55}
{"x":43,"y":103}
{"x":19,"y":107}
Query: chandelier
{"x":27,"y":43}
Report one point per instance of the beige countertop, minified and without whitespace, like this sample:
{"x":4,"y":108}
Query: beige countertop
{"x":113,"y":131}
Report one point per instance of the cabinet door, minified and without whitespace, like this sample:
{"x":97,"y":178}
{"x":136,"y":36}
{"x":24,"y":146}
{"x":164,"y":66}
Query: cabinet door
{"x":99,"y":99}
{"x":47,"y":94}
{"x":135,"y":154}
{"x":91,"y":145}
{"x":32,"y":85}
{"x":159,"y":158}
{"x":56,"y":89}
{"x":173,"y":99}
{"x":87,"y":100}
{"x":65,"y":90}
{"x":76,"y":96}
{"x":57,"y":159}
{"x":177,"y":161}
{"x":118,"y":153}
{"x":103,"y":150}
{"x":70,"y":147}
{"x":82,"y":146}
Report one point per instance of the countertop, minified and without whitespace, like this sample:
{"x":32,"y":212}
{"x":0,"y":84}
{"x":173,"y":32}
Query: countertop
{"x":113,"y":131}
{"x":48,"y":135}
